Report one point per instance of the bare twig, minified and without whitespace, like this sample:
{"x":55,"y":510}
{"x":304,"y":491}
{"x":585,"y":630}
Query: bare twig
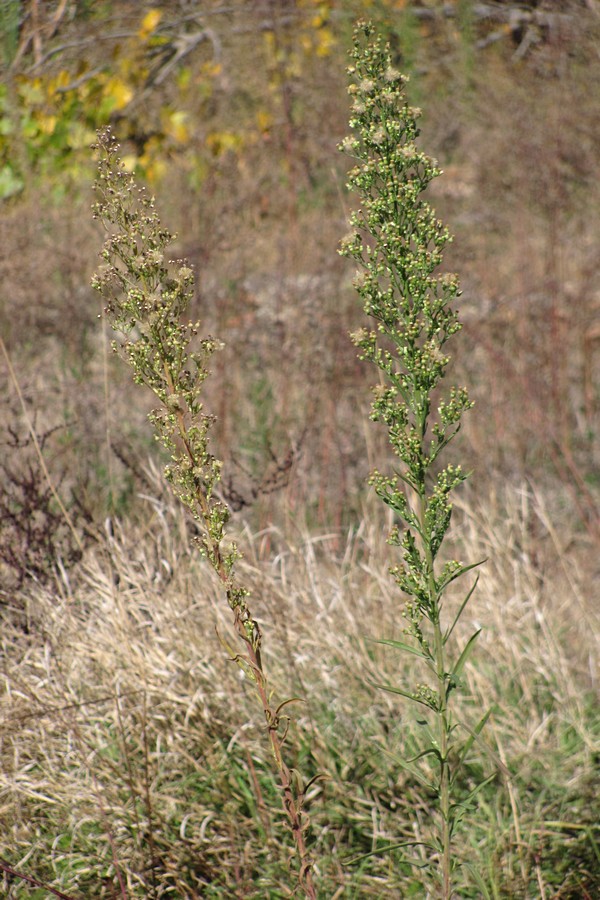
{"x":14,"y":873}
{"x":36,"y":444}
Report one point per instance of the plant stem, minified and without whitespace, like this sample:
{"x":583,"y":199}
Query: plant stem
{"x":441,"y":713}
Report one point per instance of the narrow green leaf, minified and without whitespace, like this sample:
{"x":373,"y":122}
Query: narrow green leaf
{"x":473,"y":735}
{"x":418,"y":776}
{"x":457,"y":670}
{"x":431,"y":751}
{"x":394,"y":690}
{"x":463,"y":604}
{"x":479,"y":881}
{"x":590,"y":838}
{"x":464,"y":804}
{"x":388,"y":849}
{"x":401,"y":645}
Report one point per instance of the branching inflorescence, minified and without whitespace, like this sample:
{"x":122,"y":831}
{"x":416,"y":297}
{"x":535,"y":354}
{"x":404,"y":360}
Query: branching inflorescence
{"x":146,"y":295}
{"x":398,"y":242}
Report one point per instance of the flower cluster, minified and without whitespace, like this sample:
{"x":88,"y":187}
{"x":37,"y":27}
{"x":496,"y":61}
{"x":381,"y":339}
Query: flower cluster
{"x":145,"y":297}
{"x":398,"y":242}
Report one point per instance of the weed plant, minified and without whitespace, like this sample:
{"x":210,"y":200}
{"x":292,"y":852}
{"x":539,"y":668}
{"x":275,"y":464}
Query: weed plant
{"x":398,"y":243}
{"x":145,"y":300}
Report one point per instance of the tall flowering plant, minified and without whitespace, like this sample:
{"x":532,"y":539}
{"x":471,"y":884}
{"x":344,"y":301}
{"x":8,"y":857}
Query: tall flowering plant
{"x":398,"y":244}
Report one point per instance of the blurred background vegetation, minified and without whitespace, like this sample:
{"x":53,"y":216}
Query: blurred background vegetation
{"x":231,"y":112}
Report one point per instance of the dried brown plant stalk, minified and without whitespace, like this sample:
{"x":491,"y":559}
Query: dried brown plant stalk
{"x":145,"y":297}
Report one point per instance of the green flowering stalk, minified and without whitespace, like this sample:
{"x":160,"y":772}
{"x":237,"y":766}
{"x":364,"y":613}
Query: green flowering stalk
{"x":145,"y":297}
{"x":398,"y":243}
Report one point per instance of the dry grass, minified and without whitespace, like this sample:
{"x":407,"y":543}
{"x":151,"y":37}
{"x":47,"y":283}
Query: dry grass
{"x":130,"y":750}
{"x":262,"y":228}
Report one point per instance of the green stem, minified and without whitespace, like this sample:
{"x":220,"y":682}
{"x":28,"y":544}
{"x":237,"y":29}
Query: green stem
{"x":444,"y":787}
{"x":442,"y":707}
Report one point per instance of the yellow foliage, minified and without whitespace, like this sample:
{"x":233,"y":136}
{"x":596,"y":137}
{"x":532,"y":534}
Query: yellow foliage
{"x":220,"y":142}
{"x":130,"y":161}
{"x":264,"y":121}
{"x":31,"y":90}
{"x":325,"y":42}
{"x":154,"y":169}
{"x":212,"y":69}
{"x":46,"y":124}
{"x":175,"y":126}
{"x":269,"y":39}
{"x":152,"y":162}
{"x":306,"y":43}
{"x":58,"y":82}
{"x":149,"y":24}
{"x":119,"y":92}
{"x":131,"y":67}
{"x":316,"y":36}
{"x":79,"y":137}
{"x":323,"y":7}
{"x":183,"y":78}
